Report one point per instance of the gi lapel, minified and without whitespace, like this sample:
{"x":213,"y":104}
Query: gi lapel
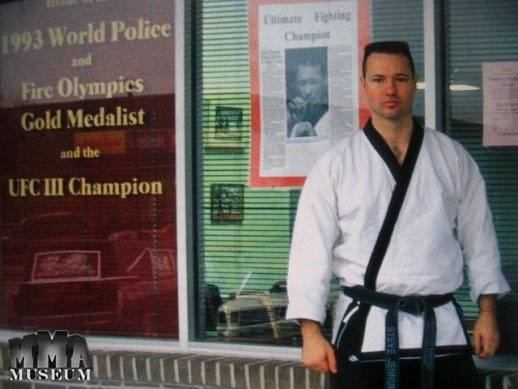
{"x":402,"y":175}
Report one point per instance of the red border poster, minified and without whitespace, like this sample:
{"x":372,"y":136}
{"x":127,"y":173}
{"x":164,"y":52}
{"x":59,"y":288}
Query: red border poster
{"x":305,"y":61}
{"x":87,"y":178}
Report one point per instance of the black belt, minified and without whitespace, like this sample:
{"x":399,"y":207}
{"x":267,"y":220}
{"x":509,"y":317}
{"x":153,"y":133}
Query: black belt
{"x":412,"y":304}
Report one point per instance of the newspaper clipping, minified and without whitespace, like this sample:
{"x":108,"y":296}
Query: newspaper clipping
{"x":308,"y":82}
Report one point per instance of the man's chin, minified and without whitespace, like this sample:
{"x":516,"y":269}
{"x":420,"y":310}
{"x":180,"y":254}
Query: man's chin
{"x":393,"y":115}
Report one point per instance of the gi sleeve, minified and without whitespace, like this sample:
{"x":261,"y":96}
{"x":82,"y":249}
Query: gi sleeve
{"x":477,"y":235}
{"x":314,"y":234}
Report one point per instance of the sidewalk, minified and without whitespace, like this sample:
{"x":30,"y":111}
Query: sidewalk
{"x":16,"y":385}
{"x":25,"y":385}
{"x":202,"y":371}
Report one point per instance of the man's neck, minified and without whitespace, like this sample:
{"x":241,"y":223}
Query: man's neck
{"x":396,"y":133}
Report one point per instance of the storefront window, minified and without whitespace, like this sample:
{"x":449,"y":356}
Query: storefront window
{"x":251,"y":167}
{"x":88,"y":216}
{"x":481,"y":33}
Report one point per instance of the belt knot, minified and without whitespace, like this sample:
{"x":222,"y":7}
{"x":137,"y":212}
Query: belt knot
{"x":412,"y":304}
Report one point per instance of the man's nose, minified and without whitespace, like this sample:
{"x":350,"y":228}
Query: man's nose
{"x":390,"y":87}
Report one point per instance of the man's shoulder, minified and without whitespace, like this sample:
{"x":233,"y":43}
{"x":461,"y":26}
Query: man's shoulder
{"x":453,"y":152}
{"x":444,"y":140}
{"x":338,"y":155}
{"x":350,"y":139}
{"x":348,"y":143}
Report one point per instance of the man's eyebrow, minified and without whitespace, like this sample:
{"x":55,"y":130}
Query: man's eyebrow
{"x":387,"y":75}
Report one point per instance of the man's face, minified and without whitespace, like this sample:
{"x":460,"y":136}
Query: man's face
{"x":389,"y":86}
{"x":310,"y":83}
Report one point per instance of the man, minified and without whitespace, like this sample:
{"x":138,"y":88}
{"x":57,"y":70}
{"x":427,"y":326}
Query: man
{"x":307,"y":108}
{"x":393,"y":212}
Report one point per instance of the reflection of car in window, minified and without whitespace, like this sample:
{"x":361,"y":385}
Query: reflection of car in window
{"x":77,"y":279}
{"x":261,"y":317}
{"x":258,"y":316}
{"x":68,"y":265}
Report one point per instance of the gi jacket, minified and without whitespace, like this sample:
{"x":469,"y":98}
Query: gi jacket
{"x":444,"y":221}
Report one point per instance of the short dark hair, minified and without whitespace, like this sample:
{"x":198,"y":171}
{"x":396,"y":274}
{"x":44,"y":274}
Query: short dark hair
{"x":388,"y":47}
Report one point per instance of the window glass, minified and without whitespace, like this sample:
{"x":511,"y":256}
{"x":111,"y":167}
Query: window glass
{"x":87,"y":207}
{"x":244,"y":233}
{"x":487,"y":33}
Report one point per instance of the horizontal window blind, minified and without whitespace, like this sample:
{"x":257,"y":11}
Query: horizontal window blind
{"x":480,"y":31}
{"x":248,"y":250}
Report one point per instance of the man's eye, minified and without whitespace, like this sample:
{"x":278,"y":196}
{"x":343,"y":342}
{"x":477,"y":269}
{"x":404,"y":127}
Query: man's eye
{"x":402,"y":79}
{"x":377,"y":80}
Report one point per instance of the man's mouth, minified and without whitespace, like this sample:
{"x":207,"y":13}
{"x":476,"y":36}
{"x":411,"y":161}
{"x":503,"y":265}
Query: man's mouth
{"x":390,"y":104}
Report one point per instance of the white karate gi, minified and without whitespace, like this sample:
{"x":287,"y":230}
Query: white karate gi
{"x":444,"y":220}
